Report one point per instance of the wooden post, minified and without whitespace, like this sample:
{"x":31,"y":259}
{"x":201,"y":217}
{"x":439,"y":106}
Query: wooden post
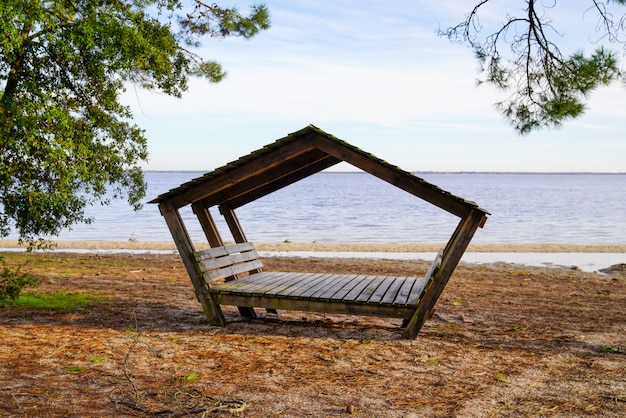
{"x":238,"y":235}
{"x":233,"y":224}
{"x":451,"y":256}
{"x":186,"y":250}
{"x":208,"y":224}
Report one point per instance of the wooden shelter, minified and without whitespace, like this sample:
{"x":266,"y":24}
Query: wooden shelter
{"x":237,"y":267}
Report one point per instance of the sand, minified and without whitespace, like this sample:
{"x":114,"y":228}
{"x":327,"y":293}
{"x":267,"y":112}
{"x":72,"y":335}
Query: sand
{"x":341,"y":247}
{"x":505,"y":341}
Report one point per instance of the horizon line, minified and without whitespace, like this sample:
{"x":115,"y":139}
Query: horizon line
{"x":426,"y":172}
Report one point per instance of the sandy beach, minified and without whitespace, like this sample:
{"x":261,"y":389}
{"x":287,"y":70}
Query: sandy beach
{"x":340,"y":247}
{"x":131,"y":340}
{"x":589,"y":258}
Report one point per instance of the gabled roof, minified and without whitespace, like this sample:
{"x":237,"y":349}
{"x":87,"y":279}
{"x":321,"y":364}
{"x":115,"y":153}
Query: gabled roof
{"x":292,"y":158}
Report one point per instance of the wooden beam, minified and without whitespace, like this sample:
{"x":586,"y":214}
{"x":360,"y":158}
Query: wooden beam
{"x":266,"y":181}
{"x":233,"y":224}
{"x":451,"y":256}
{"x":238,"y":235}
{"x":397,"y":177}
{"x":240,"y":172}
{"x":208,"y":225}
{"x":186,"y":250}
{"x":286,"y":180}
{"x":312,"y":305}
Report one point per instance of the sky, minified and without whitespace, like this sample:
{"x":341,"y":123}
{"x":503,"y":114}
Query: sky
{"x":374,"y":74}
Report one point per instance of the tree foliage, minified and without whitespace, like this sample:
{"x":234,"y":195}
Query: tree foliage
{"x":521,"y":57}
{"x":65,"y":139}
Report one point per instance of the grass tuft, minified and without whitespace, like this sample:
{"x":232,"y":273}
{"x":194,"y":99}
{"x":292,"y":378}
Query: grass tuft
{"x":56,"y":301}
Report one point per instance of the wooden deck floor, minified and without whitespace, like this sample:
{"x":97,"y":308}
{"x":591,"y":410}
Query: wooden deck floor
{"x":339,"y":293}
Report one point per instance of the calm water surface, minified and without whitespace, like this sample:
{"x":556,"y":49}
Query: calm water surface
{"x":356,"y":207}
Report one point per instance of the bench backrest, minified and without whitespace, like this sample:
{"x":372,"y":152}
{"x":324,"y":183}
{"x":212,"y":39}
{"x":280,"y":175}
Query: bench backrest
{"x":435,"y":265}
{"x":432,"y":272}
{"x":228,"y":261}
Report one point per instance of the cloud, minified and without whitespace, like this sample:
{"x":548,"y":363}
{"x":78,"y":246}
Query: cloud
{"x":375,"y":74}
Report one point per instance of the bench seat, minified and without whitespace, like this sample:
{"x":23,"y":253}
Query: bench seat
{"x":233,"y":275}
{"x":386,"y":296}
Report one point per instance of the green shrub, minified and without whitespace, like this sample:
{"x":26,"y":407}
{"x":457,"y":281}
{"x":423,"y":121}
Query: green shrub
{"x":13,"y":280}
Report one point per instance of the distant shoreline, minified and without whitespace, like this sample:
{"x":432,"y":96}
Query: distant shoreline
{"x":336,"y":247}
{"x":433,"y":172}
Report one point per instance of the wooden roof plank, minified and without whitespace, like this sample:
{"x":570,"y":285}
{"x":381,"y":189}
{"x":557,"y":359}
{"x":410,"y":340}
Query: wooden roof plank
{"x":293,"y":158}
{"x":396,"y":176}
{"x":285,"y":181}
{"x":268,"y":181}
{"x":233,"y":173}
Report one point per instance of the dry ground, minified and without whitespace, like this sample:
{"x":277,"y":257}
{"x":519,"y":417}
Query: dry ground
{"x":506,"y":340}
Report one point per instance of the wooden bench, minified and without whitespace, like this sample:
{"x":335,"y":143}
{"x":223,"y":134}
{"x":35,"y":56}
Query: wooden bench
{"x":233,"y":276}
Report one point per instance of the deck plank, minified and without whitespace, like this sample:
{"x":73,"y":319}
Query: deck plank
{"x":244,"y":282}
{"x":342,"y":293}
{"x":286,"y":282}
{"x":392,"y":291}
{"x":283,"y":281}
{"x":322,"y":287}
{"x":253,"y":285}
{"x":313,"y":286}
{"x":233,"y":285}
{"x":404,"y":293}
{"x":356,"y":290}
{"x":381,"y":290}
{"x":303,"y":289}
{"x":292,"y":290}
{"x":338,"y":283}
{"x":336,"y":288}
{"x":369,"y":290}
{"x":416,"y":291}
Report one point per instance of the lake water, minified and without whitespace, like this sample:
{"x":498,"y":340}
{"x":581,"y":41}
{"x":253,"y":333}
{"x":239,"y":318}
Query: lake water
{"x":356,"y":207}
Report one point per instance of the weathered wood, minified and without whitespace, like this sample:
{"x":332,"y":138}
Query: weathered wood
{"x":306,"y":287}
{"x":363,"y":285}
{"x":452,"y":254}
{"x":316,"y":305}
{"x":301,"y":169}
{"x":277,"y":165}
{"x":233,"y":224}
{"x":339,"y":282}
{"x":208,"y":224}
{"x":303,"y":285}
{"x":270,"y":179}
{"x":275,"y":283}
{"x":284,"y":282}
{"x":274,"y":167}
{"x":381,"y":290}
{"x":296,"y":290}
{"x":330,"y":293}
{"x":369,"y":290}
{"x":408,"y":297}
{"x":392,"y":291}
{"x":347,"y":288}
{"x":435,"y":265}
{"x":228,"y":261}
{"x":225,"y":250}
{"x":403,"y":180}
{"x":415,"y":296}
{"x":322,"y":287}
{"x":210,"y":264}
{"x":199,"y":190}
{"x":186,"y":251}
{"x":405,"y":290}
{"x":231,"y":271}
